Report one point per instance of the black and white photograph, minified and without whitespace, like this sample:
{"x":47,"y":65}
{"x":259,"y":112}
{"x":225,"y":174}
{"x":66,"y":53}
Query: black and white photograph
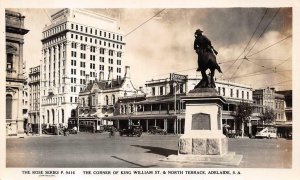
{"x":145,"y":91}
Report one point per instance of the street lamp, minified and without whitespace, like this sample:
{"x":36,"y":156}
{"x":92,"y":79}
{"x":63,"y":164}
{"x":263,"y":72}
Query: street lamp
{"x":78,"y":103}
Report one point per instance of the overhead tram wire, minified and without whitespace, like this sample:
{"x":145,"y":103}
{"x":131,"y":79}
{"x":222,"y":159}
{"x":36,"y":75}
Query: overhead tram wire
{"x":263,"y":31}
{"x":254,"y":74}
{"x":248,"y":41}
{"x":245,"y":58}
{"x":144,"y":23}
{"x":270,"y":46}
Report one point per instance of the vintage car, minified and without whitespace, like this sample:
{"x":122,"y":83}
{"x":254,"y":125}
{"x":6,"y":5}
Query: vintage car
{"x":267,"y":132}
{"x":157,"y":130}
{"x":133,"y":130}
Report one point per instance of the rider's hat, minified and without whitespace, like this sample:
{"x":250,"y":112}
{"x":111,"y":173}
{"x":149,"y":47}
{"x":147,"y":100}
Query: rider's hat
{"x":198,"y":31}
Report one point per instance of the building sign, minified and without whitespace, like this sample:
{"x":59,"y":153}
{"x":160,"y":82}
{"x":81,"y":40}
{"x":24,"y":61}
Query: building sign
{"x":177,"y":77}
{"x":201,"y":121}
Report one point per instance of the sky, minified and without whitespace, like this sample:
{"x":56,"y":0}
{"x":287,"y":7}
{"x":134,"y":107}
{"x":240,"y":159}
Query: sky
{"x":164,"y":44}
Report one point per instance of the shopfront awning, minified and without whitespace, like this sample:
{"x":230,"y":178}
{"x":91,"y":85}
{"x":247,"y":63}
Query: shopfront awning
{"x":139,"y":117}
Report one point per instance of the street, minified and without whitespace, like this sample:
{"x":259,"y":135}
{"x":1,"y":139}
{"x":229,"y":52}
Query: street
{"x":98,"y":150}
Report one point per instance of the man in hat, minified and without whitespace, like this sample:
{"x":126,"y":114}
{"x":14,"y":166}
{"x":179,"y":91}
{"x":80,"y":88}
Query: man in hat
{"x":201,"y":45}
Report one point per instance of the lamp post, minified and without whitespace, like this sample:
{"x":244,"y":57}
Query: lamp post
{"x":78,"y":103}
{"x":176,"y":120}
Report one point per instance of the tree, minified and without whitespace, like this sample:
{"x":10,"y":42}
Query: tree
{"x":243,"y":113}
{"x":268,"y":116}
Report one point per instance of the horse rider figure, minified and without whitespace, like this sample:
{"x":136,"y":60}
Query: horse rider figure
{"x":206,"y":58}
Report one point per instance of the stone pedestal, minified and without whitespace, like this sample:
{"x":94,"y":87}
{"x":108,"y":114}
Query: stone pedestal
{"x":203,"y":140}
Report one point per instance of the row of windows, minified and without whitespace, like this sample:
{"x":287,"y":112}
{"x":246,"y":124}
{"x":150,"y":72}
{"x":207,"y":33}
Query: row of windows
{"x":54,"y":30}
{"x":94,"y":31}
{"x":231,"y":93}
{"x":75,"y":36}
{"x":179,"y":89}
{"x":55,"y":40}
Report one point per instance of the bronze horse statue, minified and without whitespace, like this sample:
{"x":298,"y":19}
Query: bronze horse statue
{"x":207,"y":60}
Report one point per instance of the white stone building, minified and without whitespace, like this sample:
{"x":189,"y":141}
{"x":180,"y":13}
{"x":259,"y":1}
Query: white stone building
{"x":77,"y":46}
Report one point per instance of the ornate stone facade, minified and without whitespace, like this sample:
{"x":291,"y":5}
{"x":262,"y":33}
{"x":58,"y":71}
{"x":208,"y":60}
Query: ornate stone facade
{"x":15,"y":32}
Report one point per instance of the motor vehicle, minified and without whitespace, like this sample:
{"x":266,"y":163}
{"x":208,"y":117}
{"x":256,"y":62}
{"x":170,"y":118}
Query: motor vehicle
{"x":157,"y":130}
{"x":133,"y":130}
{"x":267,"y":132}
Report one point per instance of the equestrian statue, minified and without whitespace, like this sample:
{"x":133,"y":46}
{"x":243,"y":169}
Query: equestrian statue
{"x":206,"y":60}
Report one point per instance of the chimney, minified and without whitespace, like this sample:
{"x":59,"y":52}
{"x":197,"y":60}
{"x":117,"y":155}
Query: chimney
{"x":101,"y":76}
{"x":127,"y":72}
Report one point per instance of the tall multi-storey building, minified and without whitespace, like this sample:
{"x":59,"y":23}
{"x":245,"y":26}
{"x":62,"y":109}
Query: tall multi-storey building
{"x":34,"y":94}
{"x":77,"y":46}
{"x":15,"y":32}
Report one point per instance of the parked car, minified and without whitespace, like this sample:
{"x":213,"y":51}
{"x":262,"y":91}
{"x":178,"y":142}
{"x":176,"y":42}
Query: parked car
{"x":132,"y":131}
{"x":157,"y":130}
{"x":267,"y":132}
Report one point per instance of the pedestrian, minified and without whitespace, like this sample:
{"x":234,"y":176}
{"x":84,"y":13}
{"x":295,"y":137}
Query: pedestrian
{"x":112,"y":131}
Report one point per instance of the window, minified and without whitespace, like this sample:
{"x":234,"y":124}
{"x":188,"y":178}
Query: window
{"x":72,"y":26}
{"x":161,"y":90}
{"x":106,"y":100}
{"x":101,"y":59}
{"x":237,"y":93}
{"x":76,"y":27}
{"x":242,"y":94}
{"x":118,"y":70}
{"x":118,"y":62}
{"x":92,"y":57}
{"x":9,"y":61}
{"x":83,"y":47}
{"x":223,"y":91}
{"x":82,"y":55}
{"x":73,"y":54}
{"x":231,"y":92}
{"x":110,"y":61}
{"x":111,"y":52}
{"x":247,"y":95}
{"x":74,"y":45}
{"x":92,"y":48}
{"x":153,"y":91}
{"x":101,"y":50}
{"x":119,"y":54}
{"x":101,"y":67}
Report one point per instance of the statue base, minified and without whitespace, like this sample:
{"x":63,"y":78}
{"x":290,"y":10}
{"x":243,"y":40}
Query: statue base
{"x":203,"y":140}
{"x":201,"y":144}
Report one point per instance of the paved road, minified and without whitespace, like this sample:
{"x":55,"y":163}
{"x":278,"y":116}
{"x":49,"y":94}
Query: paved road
{"x":98,"y":150}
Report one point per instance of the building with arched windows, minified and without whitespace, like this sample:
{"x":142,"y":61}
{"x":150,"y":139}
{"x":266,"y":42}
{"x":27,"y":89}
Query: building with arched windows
{"x":15,"y":32}
{"x":99,"y":99}
{"x":79,"y":46}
